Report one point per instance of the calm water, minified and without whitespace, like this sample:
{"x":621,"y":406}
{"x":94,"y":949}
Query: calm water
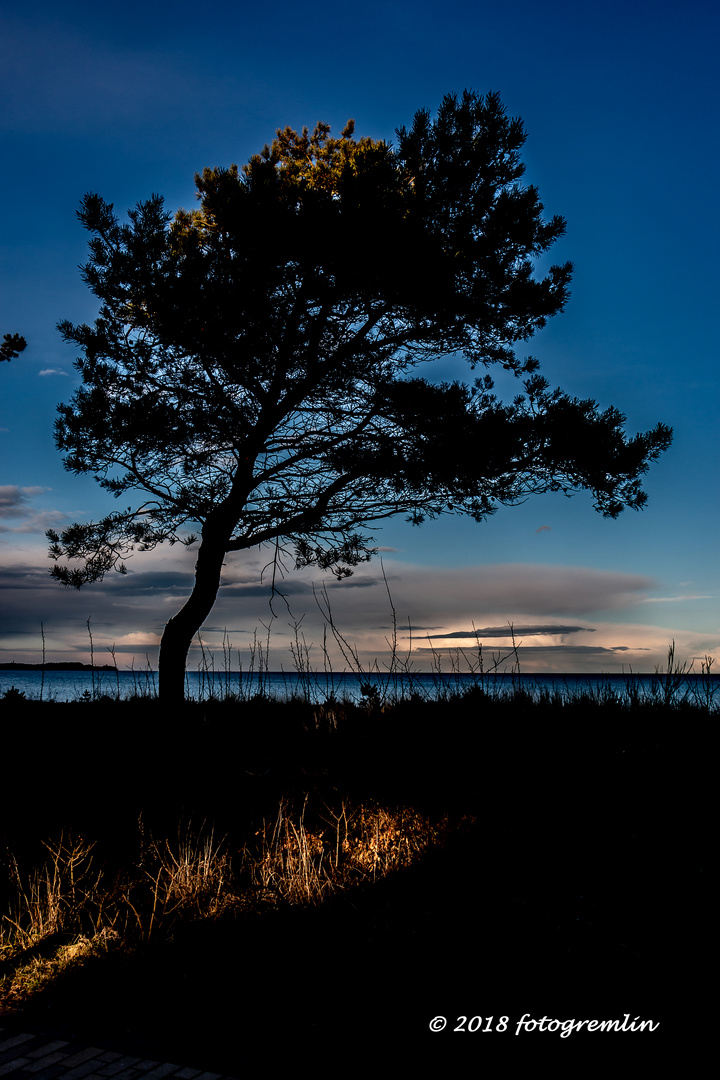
{"x":81,"y":685}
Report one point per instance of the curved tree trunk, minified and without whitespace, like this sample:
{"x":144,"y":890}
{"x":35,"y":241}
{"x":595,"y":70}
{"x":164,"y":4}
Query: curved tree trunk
{"x":182,"y":628}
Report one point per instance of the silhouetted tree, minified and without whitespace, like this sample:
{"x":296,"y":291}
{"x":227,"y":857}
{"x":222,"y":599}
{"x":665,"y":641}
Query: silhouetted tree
{"x":250,"y":369}
{"x":12,"y":345}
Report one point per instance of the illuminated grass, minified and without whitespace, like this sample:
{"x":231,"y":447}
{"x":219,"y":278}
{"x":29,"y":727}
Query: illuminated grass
{"x":62,"y":914}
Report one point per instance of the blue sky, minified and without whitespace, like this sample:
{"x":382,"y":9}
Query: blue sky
{"x":619,"y":101}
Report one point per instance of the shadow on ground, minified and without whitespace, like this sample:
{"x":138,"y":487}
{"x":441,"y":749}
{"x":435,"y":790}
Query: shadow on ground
{"x":578,"y":893}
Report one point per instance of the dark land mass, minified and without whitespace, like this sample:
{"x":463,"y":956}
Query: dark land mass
{"x":60,"y":666}
{"x":576,"y":887}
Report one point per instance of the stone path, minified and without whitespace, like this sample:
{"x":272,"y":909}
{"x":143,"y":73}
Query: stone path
{"x":42,"y":1057}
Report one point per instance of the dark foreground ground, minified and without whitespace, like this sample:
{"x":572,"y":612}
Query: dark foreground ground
{"x":577,"y":893}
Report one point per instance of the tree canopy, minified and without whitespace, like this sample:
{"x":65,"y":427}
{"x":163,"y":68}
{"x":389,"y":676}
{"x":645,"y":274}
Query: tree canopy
{"x":253,"y":370}
{"x":11,"y":346}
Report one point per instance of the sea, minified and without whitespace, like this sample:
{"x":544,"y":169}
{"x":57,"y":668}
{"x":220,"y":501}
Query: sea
{"x":358,"y":686}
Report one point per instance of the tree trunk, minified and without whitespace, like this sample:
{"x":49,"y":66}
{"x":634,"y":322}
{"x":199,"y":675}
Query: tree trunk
{"x":182,"y":628}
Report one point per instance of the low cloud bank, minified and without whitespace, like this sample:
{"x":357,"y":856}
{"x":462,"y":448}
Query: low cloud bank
{"x":438,"y":611}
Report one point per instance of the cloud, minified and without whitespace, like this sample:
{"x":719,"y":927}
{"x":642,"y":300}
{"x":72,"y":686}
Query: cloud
{"x":22,"y":577}
{"x":524,"y":593}
{"x":571,"y":650}
{"x":149,"y":583}
{"x":54,"y":371}
{"x":139,"y":638}
{"x":38,"y":522}
{"x":14,"y":504}
{"x":529,"y":650}
{"x":517,"y":631}
{"x":674,"y":599}
{"x":14,"y":499}
{"x":128,"y":612}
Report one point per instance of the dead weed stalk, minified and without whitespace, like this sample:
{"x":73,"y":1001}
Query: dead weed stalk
{"x":300,"y":864}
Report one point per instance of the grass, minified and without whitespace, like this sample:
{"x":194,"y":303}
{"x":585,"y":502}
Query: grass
{"x":261,"y":866}
{"x":470,"y":670}
{"x":65,"y":911}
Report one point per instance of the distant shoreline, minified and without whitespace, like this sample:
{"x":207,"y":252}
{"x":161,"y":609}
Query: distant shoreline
{"x":66,"y":666}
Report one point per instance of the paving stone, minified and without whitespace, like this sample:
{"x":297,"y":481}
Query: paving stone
{"x":15,"y":1040}
{"x":47,"y":1058}
{"x":83,"y":1055}
{"x":48,"y":1048}
{"x":94,"y":1076}
{"x":115,"y":1067}
{"x":12,"y":1066}
{"x":15,"y":1051}
{"x":124,"y":1062}
{"x":82,"y":1070}
{"x":52,"y":1072}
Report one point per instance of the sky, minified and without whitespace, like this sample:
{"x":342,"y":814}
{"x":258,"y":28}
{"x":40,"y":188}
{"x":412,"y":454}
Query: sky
{"x":619,"y":101}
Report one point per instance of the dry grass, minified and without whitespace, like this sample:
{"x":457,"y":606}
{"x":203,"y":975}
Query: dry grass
{"x":66,"y":911}
{"x":52,"y":898}
{"x":297,"y":864}
{"x":186,"y":880}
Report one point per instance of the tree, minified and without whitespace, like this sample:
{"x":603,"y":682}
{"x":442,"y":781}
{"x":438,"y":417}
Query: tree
{"x":252,"y":368}
{"x":11,"y":346}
